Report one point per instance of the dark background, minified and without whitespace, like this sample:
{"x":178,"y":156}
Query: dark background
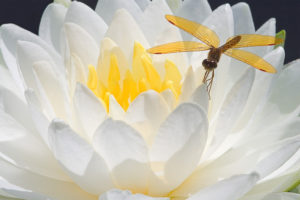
{"x":27,"y":14}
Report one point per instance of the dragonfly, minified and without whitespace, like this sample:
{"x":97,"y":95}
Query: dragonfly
{"x":211,"y":42}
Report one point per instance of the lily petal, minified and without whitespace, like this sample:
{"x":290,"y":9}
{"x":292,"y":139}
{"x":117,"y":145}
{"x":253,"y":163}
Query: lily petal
{"x":82,"y":163}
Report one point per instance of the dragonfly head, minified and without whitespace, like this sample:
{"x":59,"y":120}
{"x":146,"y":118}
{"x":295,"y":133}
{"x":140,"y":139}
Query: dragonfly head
{"x":209,"y":64}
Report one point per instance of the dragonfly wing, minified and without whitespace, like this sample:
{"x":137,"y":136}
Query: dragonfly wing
{"x":201,"y":32}
{"x":251,"y":40}
{"x":174,"y":47}
{"x":251,"y":59}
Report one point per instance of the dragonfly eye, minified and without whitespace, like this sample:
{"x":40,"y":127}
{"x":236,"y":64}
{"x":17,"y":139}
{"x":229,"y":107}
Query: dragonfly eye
{"x":209,"y":64}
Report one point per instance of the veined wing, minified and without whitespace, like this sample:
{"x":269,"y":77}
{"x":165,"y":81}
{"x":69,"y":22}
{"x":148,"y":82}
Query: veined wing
{"x":174,"y":47}
{"x":251,"y":59}
{"x":251,"y":40}
{"x":201,"y":32}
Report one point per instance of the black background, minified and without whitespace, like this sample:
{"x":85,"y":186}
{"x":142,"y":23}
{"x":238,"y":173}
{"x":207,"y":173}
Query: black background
{"x":27,"y":14}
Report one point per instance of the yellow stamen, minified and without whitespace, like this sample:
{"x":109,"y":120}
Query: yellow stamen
{"x":142,"y":77}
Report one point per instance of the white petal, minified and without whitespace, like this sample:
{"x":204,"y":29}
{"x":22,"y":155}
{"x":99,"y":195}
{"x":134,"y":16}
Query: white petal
{"x":229,"y":189}
{"x":82,"y":45}
{"x":82,"y":163}
{"x":11,"y":34}
{"x":55,"y":88}
{"x":188,"y":85}
{"x":146,"y":113}
{"x":29,"y":53}
{"x":24,"y":146}
{"x":15,"y":107}
{"x":282,"y":196}
{"x":154,"y":16}
{"x":170,"y":34}
{"x":51,"y":24}
{"x":85,"y":17}
{"x":60,"y":190}
{"x":268,"y":28}
{"x":221,"y":21}
{"x":174,"y":4}
{"x":169,"y":97}
{"x":243,"y":22}
{"x":107,"y":8}
{"x":261,"y":87}
{"x":200,"y":97}
{"x":277,"y":158}
{"x":116,"y":111}
{"x":178,"y":146}
{"x":126,"y":153}
{"x":142,"y":3}
{"x":194,"y":10}
{"x":123,"y":26}
{"x":285,"y":91}
{"x":9,"y":83}
{"x":116,"y":194}
{"x":231,"y":109}
{"x":40,"y":120}
{"x":109,"y":48}
{"x":185,"y":121}
{"x":89,"y":110}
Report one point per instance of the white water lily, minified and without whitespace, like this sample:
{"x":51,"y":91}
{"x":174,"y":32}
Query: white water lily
{"x":86,"y":113}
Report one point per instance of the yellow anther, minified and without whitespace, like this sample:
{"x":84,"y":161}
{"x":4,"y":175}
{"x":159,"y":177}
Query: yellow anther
{"x":114,"y":73}
{"x":152,"y":75}
{"x":143,"y":86}
{"x":92,"y":78}
{"x":170,"y":85}
{"x":172,"y":72}
{"x":106,"y":100}
{"x":137,"y":67}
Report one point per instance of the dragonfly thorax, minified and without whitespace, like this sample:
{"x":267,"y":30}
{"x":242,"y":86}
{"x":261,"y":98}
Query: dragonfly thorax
{"x":209,"y":64}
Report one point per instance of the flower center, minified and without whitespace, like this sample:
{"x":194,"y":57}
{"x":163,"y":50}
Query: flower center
{"x":141,"y":77}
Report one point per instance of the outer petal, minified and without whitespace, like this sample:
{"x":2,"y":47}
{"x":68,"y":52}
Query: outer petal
{"x":196,"y":11}
{"x":82,"y":163}
{"x":243,"y":22}
{"x":277,"y":158}
{"x":285,"y":90}
{"x":154,"y":16}
{"x":8,"y":82}
{"x":282,"y":196}
{"x":126,"y":195}
{"x":11,"y":34}
{"x":230,"y":110}
{"x":107,"y":8}
{"x":268,"y":28}
{"x":20,"y":147}
{"x":39,"y":73}
{"x":25,"y":180}
{"x":85,"y":17}
{"x":229,"y":189}
{"x":261,"y":87}
{"x":175,"y":159}
{"x":126,"y":153}
{"x":51,"y":24}
{"x":200,"y":97}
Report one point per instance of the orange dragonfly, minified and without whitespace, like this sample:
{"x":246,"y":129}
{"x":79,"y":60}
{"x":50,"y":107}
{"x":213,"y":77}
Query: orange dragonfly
{"x":211,"y":42}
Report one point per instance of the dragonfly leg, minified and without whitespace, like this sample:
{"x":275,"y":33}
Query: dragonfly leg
{"x":205,"y":77}
{"x":209,"y":85}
